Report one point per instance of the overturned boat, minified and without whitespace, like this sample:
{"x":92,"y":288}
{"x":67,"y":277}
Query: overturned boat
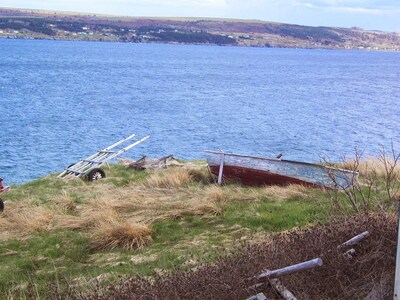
{"x":256,"y":170}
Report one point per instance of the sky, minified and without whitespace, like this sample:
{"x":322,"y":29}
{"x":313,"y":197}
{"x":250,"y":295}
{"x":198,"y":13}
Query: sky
{"x":367,"y":14}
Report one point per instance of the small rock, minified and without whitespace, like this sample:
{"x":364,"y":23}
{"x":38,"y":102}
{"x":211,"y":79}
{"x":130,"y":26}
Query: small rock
{"x":118,"y":264}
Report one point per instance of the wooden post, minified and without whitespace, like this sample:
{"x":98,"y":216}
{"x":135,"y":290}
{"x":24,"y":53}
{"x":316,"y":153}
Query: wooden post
{"x":396,"y":292}
{"x":221,"y":168}
{"x":316,"y":262}
{"x":354,"y":240}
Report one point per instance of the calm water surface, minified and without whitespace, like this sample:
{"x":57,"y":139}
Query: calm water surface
{"x":61,"y":101}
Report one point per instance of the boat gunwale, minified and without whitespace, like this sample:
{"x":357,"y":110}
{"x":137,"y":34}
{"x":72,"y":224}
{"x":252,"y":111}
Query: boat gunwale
{"x":283,"y":160}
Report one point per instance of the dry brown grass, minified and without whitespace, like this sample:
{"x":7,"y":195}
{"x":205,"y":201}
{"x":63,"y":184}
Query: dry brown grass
{"x":166,"y":194}
{"x":90,"y":216}
{"x":144,"y":204}
{"x":65,"y":202}
{"x":273,"y":193}
{"x":370,"y":165}
{"x":140,"y":204}
{"x":22,"y":219}
{"x":125,"y":235}
{"x":174,"y":177}
{"x":281,"y":193}
{"x":216,"y":194}
{"x":172,"y":204}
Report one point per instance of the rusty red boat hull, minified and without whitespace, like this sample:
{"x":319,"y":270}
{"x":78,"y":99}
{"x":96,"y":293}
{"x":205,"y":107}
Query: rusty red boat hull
{"x":255,"y":170}
{"x":255,"y":177}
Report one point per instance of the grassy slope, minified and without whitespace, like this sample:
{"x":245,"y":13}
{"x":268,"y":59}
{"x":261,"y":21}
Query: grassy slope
{"x":192,"y":222}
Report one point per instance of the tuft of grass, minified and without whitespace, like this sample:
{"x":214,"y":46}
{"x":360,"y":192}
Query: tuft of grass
{"x":173,"y":177}
{"x":94,"y":214}
{"x":215,"y":194}
{"x":22,"y":219}
{"x":280,"y":193}
{"x":65,"y":202}
{"x":200,"y":174}
{"x":120,"y":235}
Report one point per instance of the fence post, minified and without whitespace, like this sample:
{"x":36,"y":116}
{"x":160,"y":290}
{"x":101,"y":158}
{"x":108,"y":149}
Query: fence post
{"x":396,"y":292}
{"x":221,"y":168}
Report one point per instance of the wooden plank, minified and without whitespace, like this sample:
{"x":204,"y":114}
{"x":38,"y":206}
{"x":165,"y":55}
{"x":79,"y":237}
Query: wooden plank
{"x":349,"y":253}
{"x":282,"y":290}
{"x":354,"y":240}
{"x":259,"y":296}
{"x":316,"y":262}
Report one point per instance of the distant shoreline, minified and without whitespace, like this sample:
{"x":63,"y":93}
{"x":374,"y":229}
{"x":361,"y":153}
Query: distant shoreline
{"x":189,"y":44}
{"x":33,"y":24}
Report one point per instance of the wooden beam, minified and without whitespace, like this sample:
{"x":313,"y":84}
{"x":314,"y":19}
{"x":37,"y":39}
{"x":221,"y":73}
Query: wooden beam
{"x":316,"y":262}
{"x":282,"y":290}
{"x":354,"y":240}
{"x":259,"y":296}
{"x":349,"y":253}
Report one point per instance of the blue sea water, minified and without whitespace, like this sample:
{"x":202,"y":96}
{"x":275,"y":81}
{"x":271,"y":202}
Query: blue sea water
{"x":61,"y":101}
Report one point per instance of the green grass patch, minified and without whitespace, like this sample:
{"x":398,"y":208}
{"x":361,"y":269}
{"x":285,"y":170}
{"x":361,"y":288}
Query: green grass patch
{"x":121,"y":176}
{"x":273,"y":216}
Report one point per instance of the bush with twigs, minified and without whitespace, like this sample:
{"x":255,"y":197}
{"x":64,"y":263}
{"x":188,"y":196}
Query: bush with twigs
{"x":377,"y":187}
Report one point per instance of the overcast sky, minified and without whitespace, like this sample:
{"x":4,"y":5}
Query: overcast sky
{"x":368,"y":14}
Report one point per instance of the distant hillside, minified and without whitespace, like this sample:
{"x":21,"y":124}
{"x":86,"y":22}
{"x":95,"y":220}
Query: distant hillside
{"x":35,"y":24}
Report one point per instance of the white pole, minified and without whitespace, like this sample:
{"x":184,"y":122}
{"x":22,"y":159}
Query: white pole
{"x":396,"y":292}
{"x":221,"y":168}
{"x":354,"y":240}
{"x":118,"y":143}
{"x":316,"y":262}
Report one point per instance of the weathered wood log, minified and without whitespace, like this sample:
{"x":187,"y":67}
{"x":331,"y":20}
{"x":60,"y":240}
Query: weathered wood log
{"x":282,"y":290}
{"x":259,"y":296}
{"x":349,"y":253}
{"x":146,"y":163}
{"x":316,"y":262}
{"x":354,"y":240}
{"x":258,"y":285}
